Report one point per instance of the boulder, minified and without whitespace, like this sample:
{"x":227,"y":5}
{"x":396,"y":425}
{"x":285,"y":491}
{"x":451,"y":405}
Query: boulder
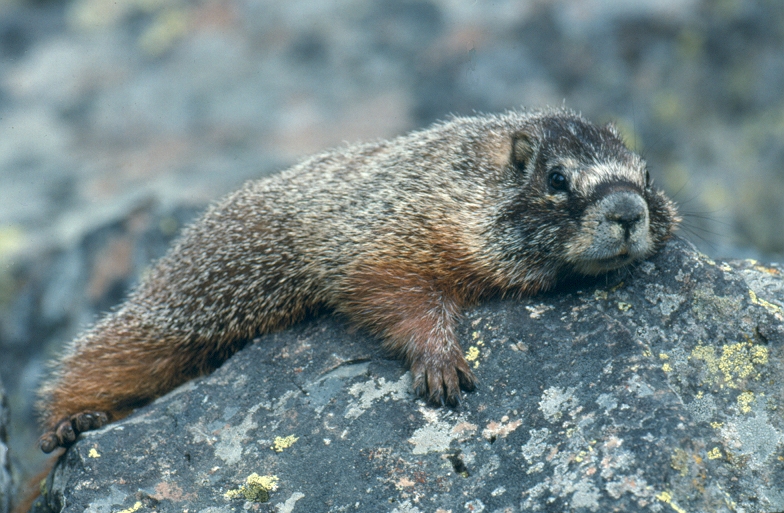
{"x":658,"y":388}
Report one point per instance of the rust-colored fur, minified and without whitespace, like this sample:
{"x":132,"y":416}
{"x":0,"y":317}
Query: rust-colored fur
{"x":399,"y":235}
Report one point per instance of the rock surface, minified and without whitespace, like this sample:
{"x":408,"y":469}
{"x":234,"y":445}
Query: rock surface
{"x":657,"y":389}
{"x":6,"y":481}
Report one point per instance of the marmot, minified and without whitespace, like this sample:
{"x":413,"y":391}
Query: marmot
{"x":400,"y":236}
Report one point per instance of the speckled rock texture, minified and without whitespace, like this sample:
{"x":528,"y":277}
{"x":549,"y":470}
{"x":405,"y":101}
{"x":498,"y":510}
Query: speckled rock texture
{"x":6,"y":481}
{"x":657,"y":389}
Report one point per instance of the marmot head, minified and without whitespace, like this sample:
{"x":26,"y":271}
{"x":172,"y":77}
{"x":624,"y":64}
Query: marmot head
{"x":576,"y":199}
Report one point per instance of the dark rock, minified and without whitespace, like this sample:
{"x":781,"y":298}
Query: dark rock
{"x":657,"y":389}
{"x":6,"y":481}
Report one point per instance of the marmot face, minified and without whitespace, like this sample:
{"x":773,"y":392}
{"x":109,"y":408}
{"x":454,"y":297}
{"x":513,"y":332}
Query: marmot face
{"x":584,"y":203}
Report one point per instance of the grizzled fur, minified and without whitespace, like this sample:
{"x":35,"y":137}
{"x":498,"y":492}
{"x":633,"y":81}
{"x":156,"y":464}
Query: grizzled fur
{"x":399,"y":235}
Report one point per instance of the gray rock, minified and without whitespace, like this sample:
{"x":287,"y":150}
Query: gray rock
{"x":657,"y":389}
{"x":6,"y":481}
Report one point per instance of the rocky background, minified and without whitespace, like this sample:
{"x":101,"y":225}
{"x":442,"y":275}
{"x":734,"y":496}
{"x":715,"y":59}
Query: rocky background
{"x":120,"y":119}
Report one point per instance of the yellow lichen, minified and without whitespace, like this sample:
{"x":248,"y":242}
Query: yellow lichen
{"x":667,"y":367}
{"x":472,"y":354}
{"x":136,"y":507}
{"x":737,"y":362}
{"x":281,"y":443}
{"x":664,"y":356}
{"x":744,"y":401}
{"x":717,"y":425}
{"x":623,"y":307}
{"x":714,"y":454}
{"x":770,"y":307}
{"x":93,"y":453}
{"x":666,"y":497}
{"x":256,"y":488}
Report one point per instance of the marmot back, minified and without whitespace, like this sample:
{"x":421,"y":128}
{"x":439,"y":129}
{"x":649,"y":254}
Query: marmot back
{"x":399,"y":235}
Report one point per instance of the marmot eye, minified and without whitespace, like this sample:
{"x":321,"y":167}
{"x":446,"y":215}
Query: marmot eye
{"x":557,"y":180}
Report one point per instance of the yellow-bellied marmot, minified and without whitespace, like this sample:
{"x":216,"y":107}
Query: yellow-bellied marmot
{"x":399,"y":235}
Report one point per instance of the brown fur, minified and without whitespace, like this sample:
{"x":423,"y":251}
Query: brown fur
{"x":399,"y":235}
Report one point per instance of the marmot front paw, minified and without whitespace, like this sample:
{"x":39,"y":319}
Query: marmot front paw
{"x":439,"y":380}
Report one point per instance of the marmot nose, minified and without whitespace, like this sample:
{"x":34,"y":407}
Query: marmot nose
{"x":625,"y":208}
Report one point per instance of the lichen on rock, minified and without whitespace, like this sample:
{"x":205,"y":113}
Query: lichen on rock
{"x":673,"y":403}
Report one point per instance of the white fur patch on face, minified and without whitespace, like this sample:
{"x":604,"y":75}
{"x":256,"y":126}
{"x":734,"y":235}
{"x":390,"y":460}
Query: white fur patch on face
{"x":570,"y":163}
{"x":614,"y":232}
{"x":586,"y":182}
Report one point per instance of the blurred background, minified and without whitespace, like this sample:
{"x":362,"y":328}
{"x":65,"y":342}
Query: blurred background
{"x":121,"y":119}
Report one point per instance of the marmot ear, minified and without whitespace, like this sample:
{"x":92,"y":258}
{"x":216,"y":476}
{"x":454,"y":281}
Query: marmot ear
{"x":522,"y":151}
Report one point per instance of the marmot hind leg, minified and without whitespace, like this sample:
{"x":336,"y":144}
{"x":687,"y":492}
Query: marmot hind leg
{"x":114,"y":368}
{"x":68,"y":428}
